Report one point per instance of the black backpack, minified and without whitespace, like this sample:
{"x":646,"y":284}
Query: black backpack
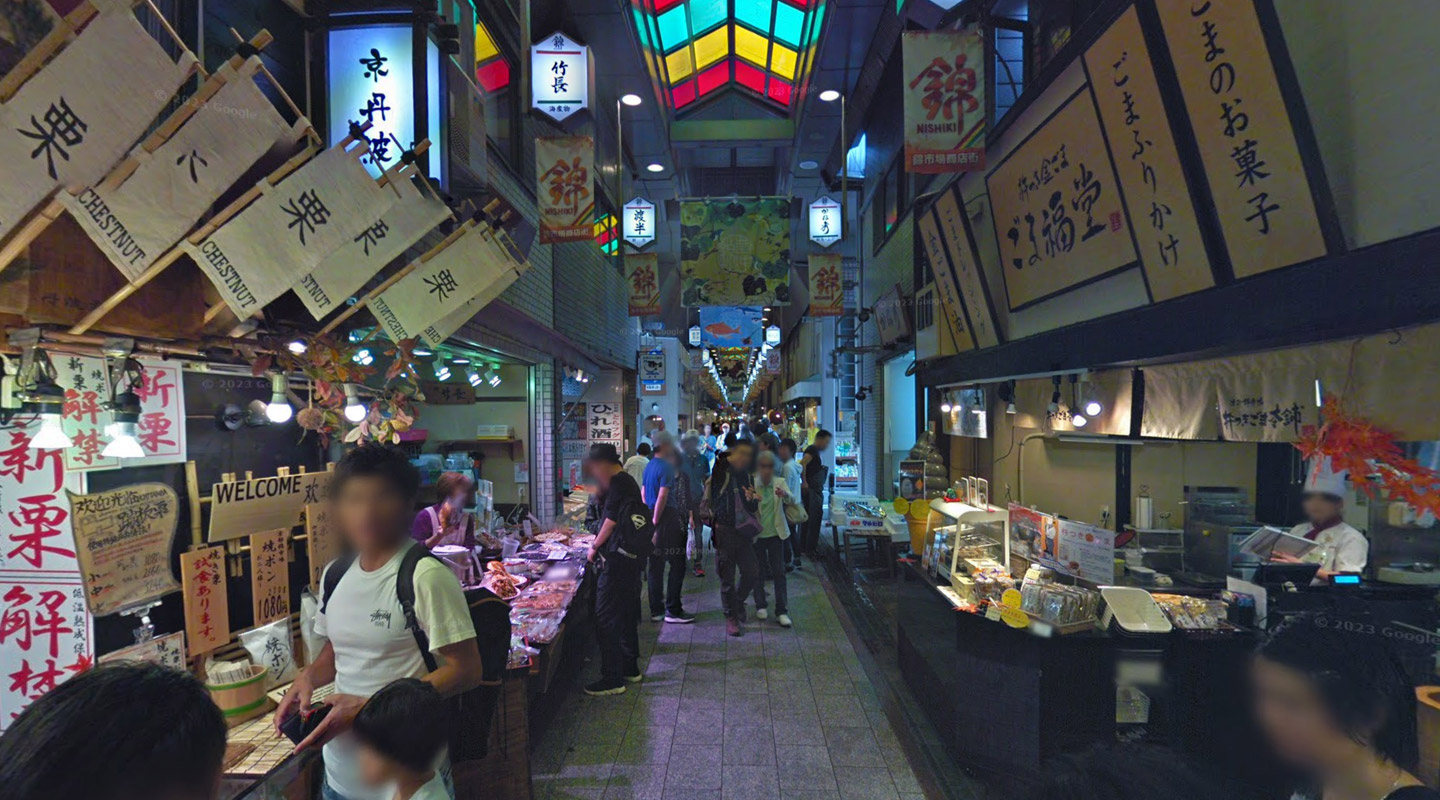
{"x":473,"y":710}
{"x":634,"y":533}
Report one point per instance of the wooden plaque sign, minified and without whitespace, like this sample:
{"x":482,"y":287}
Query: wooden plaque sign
{"x":207,"y":612}
{"x":242,"y":508}
{"x":270,"y":576}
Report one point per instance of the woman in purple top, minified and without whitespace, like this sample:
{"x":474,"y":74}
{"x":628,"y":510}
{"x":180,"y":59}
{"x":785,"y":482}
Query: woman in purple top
{"x":446,"y":522}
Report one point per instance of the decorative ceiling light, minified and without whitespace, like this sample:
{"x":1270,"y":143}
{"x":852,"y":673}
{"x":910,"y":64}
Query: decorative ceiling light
{"x":1054,"y":407}
{"x":492,"y":377}
{"x":41,"y":395}
{"x":297,"y":346}
{"x":461,"y":360}
{"x":829,"y":96}
{"x":355,"y":410}
{"x":124,"y":375}
{"x":631,"y":99}
{"x":1092,"y":403}
{"x":363,"y":357}
{"x":945,"y":405}
{"x":809,"y":164}
{"x":442,"y":372}
{"x":278,"y":410}
{"x":656,"y":167}
{"x":1077,"y":418}
{"x":421,"y":352}
{"x":473,"y":376}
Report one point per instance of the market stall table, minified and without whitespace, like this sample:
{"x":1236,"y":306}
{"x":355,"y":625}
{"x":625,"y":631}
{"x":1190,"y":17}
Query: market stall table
{"x":849,"y":521}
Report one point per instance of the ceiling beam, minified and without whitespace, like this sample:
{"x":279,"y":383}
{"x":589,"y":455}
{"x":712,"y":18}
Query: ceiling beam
{"x":691,"y":132}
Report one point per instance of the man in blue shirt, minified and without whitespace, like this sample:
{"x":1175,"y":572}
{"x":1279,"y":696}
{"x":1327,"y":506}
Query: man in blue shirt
{"x":669,"y":534}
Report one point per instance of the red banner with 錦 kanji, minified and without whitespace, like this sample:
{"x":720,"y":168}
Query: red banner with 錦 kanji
{"x":642,"y":279}
{"x":827,"y":288}
{"x":944,"y":86}
{"x":565,"y":169}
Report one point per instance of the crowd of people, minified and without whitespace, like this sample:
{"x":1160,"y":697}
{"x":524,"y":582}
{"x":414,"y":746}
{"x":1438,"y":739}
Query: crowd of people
{"x":1335,"y":706}
{"x":742,"y":493}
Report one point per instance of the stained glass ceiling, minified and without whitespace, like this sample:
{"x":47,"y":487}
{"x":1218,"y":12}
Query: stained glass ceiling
{"x":698,"y":47}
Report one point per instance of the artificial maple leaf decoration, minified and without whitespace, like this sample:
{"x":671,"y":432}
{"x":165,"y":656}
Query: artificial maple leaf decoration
{"x":1373,"y":458}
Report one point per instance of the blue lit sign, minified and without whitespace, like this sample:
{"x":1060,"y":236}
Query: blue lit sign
{"x":371,"y":78}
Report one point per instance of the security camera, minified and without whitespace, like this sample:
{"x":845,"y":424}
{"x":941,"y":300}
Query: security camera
{"x":862,"y":393}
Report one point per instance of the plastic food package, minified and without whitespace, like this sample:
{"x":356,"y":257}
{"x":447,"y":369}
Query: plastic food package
{"x":1192,"y":613}
{"x":271,"y":646}
{"x":310,"y":641}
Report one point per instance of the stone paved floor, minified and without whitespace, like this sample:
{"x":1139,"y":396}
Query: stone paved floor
{"x":777,"y":713}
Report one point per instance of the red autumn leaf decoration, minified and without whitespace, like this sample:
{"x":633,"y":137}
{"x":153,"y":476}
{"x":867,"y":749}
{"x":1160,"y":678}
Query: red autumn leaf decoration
{"x":1372,"y":457}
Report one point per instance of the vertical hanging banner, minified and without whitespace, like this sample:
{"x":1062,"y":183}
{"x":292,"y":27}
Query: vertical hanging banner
{"x":1147,"y":160}
{"x":970,"y":282}
{"x":135,"y":219}
{"x":123,"y":539}
{"x":637,"y":223}
{"x":565,"y":167}
{"x":270,"y":575}
{"x":827,"y":287}
{"x":642,"y":278}
{"x":559,"y":76}
{"x":944,"y":101}
{"x":826,"y":226}
{"x":1247,"y":142}
{"x":444,"y":280}
{"x":255,"y":257}
{"x":161,"y":428}
{"x":953,"y":309}
{"x":735,"y":251}
{"x":70,"y":123}
{"x":207,"y":610}
{"x":1057,"y":214}
{"x":346,"y":270}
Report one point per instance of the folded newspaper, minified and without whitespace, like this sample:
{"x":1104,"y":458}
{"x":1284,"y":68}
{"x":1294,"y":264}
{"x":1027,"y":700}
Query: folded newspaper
{"x":1267,"y":541}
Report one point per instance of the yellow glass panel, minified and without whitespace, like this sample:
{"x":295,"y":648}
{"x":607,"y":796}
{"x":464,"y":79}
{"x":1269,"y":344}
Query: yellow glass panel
{"x":485,"y":47}
{"x":712,"y":47}
{"x":679,"y":64}
{"x":782,"y":62}
{"x":751,"y":46}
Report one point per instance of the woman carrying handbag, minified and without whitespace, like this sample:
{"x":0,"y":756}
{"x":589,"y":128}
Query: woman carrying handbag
{"x":731,"y":503}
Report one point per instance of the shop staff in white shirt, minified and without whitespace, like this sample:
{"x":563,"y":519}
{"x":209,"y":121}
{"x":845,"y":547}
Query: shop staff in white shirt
{"x":367,"y":643}
{"x":1340,"y":548}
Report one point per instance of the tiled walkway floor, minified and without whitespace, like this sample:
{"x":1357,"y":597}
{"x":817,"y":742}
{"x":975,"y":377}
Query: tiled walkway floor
{"x":776,"y":713}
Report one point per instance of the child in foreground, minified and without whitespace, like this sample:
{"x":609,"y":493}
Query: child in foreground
{"x":402,"y":733}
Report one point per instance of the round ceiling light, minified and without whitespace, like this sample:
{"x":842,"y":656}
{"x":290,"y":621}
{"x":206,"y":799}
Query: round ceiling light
{"x":829,"y":96}
{"x":657,"y":167}
{"x":809,"y":164}
{"x":630,"y":99}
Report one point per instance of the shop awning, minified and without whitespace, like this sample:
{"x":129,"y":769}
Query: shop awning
{"x":799,"y":389}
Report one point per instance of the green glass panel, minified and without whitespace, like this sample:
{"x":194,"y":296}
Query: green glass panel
{"x":643,"y":30}
{"x":788,"y":23}
{"x":673,"y":29}
{"x":755,"y":13}
{"x":706,"y":14}
{"x":814,"y":32}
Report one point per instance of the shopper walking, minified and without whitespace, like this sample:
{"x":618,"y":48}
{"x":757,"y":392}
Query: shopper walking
{"x":116,"y":732}
{"x":733,"y":505}
{"x":617,"y":590}
{"x":814,"y":473}
{"x":661,"y":477}
{"x":695,"y":467}
{"x":774,"y":495}
{"x":362,"y":621}
{"x":635,"y":465}
{"x":790,"y":471}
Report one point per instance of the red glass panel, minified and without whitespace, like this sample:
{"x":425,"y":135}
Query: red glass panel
{"x":662,"y":6}
{"x":714,"y":77}
{"x":493,"y":76}
{"x":749,"y":77}
{"x":684,"y":94}
{"x":780,"y":91}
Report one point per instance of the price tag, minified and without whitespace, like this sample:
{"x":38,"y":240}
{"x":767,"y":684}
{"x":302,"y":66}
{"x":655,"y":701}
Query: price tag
{"x":992,"y":612}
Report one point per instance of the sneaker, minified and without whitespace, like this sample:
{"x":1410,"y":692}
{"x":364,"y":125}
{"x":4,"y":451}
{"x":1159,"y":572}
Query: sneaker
{"x":699,"y":571}
{"x":783,"y":619}
{"x":656,"y":617}
{"x":636,"y":678}
{"x":732,"y":628}
{"x":604,"y":687}
{"x":789,"y":568}
{"x":679,"y":618}
{"x":762,"y":614}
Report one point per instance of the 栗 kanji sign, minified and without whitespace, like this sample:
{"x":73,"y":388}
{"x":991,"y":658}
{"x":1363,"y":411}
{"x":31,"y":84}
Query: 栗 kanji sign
{"x":559,"y":76}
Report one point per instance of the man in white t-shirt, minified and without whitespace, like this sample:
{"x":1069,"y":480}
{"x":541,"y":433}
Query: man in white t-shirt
{"x":367,"y":643}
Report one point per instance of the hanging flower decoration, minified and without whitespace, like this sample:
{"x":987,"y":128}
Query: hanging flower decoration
{"x":1372,"y":457}
{"x":330,"y":364}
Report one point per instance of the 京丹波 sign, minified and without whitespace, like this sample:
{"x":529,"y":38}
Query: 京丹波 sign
{"x":825,"y":225}
{"x":559,"y":76}
{"x":638,"y":222}
{"x":371,"y":78}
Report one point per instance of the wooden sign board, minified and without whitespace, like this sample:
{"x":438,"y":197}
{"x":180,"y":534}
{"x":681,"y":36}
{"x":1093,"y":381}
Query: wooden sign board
{"x":322,"y":542}
{"x":957,"y":328}
{"x":969,"y":281}
{"x":167,"y":651}
{"x":123,"y":539}
{"x":458,"y":393}
{"x":1056,"y":209}
{"x":1258,"y":181}
{"x":242,"y":508}
{"x":1142,"y":145}
{"x":207,"y":612}
{"x":270,"y":575}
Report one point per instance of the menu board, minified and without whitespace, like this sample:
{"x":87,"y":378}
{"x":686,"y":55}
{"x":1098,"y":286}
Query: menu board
{"x":1086,"y":552}
{"x":1056,"y":209}
{"x":1258,"y":184}
{"x":1147,"y":161}
{"x":123,"y":539}
{"x":1033,"y":536}
{"x":207,"y":612}
{"x":270,"y":576}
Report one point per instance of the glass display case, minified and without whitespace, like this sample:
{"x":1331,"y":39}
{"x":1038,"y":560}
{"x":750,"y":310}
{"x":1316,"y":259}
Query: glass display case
{"x":959,"y":536}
